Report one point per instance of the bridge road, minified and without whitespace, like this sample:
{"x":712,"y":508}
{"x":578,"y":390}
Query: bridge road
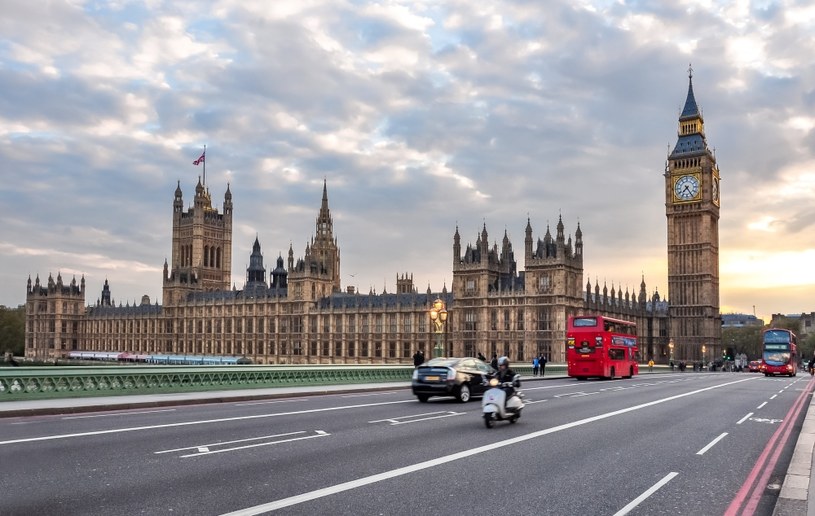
{"x":668,"y":444}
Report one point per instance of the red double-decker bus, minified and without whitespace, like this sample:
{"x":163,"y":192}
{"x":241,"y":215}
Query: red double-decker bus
{"x":598,"y":346}
{"x":780,"y":353}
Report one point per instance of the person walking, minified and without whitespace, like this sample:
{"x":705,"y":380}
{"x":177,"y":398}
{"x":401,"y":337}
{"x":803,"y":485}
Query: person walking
{"x":535,"y":366}
{"x":651,"y":366}
{"x":542,"y":362}
{"x":494,"y":361}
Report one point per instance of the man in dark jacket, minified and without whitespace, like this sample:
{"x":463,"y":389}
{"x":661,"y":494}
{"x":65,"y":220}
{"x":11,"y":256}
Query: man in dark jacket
{"x":418,"y":358}
{"x":506,"y":374}
{"x":542,"y":365}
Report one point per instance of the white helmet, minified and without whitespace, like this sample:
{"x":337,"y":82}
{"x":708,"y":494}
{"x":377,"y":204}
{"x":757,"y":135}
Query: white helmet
{"x":503,"y":361}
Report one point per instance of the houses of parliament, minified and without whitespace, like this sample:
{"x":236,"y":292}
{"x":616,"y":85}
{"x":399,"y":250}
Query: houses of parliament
{"x":298,"y":313}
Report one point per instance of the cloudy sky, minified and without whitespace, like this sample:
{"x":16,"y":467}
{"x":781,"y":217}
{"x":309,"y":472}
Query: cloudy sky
{"x":421,"y":115}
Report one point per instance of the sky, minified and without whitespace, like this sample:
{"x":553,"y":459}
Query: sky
{"x":421,"y":116}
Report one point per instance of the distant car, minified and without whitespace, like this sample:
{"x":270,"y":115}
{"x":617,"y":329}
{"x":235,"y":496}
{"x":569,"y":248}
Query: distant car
{"x":753,"y":366}
{"x":458,"y":377}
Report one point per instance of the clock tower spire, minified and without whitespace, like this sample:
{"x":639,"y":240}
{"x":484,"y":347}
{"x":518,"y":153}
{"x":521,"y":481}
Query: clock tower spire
{"x":692,"y":206}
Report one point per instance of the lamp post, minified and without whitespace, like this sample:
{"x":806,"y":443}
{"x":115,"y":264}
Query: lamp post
{"x":438,"y":315}
{"x":671,"y":348}
{"x":704,"y":356}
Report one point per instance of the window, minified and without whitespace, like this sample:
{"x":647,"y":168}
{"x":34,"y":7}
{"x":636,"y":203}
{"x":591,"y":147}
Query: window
{"x":520,"y":320}
{"x":469,"y":286}
{"x":506,"y":320}
{"x":378,"y":349}
{"x":406,"y":323}
{"x":391,"y":350}
{"x":470,"y":320}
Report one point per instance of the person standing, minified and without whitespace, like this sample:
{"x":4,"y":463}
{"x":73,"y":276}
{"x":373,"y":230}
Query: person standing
{"x":543,"y":365}
{"x":535,"y":366}
{"x":418,"y":358}
{"x":651,"y":366}
{"x":494,"y":361}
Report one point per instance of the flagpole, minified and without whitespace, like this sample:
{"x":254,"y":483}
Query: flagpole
{"x":205,"y":165}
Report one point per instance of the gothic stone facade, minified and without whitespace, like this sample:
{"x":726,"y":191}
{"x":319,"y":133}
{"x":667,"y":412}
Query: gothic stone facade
{"x":301,"y":315}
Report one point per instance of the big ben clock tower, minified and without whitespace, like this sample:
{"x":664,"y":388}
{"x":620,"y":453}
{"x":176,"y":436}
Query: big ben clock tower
{"x":692,"y":201}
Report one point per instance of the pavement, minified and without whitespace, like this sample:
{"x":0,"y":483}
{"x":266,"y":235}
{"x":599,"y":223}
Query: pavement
{"x":797,"y":496}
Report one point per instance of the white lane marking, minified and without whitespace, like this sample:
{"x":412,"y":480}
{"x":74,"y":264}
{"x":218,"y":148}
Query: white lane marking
{"x":379,"y":477}
{"x":203,"y":449}
{"x":765,"y":420}
{"x":250,"y":403}
{"x":781,"y":391}
{"x":641,"y":498}
{"x":745,"y":418}
{"x":451,"y":414}
{"x":319,"y":433}
{"x":761,"y":405}
{"x":392,"y":419}
{"x":366,"y":395}
{"x":711,"y":444}
{"x":415,"y":418}
{"x":533,"y":402}
{"x":201,"y":422}
{"x":229,"y":442}
{"x":773,"y":396}
{"x":120,"y":414}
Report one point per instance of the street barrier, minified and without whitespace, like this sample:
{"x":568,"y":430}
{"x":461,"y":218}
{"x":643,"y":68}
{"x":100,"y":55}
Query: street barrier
{"x":21,"y":383}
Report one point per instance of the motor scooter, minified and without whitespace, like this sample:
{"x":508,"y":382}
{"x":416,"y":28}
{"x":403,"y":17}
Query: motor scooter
{"x":496,"y":406}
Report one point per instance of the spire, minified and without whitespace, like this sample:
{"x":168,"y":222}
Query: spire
{"x":560,"y":228}
{"x":691,"y":110}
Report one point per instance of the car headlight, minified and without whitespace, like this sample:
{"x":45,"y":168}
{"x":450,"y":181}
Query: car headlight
{"x":415,"y":374}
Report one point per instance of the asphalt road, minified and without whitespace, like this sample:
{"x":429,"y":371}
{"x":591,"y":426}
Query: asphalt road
{"x":663,"y":444}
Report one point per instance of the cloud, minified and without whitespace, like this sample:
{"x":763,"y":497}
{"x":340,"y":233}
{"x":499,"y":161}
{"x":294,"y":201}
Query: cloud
{"x":420,"y":115}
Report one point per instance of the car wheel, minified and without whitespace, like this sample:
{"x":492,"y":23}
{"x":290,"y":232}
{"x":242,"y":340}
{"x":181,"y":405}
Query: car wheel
{"x":464,"y":393}
{"x":423,"y":397}
{"x":488,"y":420}
{"x":581,"y":378}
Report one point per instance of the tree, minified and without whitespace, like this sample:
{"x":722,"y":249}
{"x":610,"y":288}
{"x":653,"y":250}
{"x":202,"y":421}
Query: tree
{"x":746,"y":339}
{"x":12,"y":330}
{"x":806,"y":347}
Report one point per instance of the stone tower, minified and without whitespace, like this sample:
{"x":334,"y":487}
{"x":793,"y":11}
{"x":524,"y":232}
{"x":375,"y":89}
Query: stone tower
{"x":202,"y":246}
{"x":692,"y":200}
{"x":53,"y":314}
{"x":317,"y":274}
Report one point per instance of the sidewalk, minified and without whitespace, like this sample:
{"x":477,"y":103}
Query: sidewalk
{"x":126,"y":402}
{"x":797,"y":495}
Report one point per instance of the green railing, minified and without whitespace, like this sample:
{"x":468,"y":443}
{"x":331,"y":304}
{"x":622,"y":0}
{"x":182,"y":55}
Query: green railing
{"x":54,"y":382}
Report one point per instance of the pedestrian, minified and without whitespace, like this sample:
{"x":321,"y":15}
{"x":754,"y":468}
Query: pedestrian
{"x":651,"y":366}
{"x":481,"y":357}
{"x":494,"y":361}
{"x":542,"y":361}
{"x":672,"y":365}
{"x":418,"y":358}
{"x":535,"y":365}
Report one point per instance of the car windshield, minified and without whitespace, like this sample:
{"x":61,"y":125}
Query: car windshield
{"x":442,"y":362}
{"x":776,"y":358}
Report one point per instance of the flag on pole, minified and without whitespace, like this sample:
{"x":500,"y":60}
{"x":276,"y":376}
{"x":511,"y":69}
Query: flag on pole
{"x":201,"y":159}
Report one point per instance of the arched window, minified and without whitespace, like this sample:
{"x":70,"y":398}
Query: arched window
{"x":206,"y":256}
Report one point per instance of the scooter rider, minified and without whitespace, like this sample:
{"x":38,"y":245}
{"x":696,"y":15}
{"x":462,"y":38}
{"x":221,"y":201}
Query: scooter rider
{"x":506,"y":374}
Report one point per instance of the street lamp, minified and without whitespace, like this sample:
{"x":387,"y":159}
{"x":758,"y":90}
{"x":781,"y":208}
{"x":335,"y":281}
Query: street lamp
{"x":438,"y":314}
{"x":704,"y":356}
{"x":671,"y":347}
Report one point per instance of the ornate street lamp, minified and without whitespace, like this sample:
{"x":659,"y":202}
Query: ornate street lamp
{"x":671,"y":347}
{"x":704,"y":355}
{"x":438,"y":315}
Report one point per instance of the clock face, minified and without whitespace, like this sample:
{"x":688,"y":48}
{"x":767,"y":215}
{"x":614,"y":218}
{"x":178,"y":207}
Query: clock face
{"x":715,"y":190}
{"x":686,"y":188}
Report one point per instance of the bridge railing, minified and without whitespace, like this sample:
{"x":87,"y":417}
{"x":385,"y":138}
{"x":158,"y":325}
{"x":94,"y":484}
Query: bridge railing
{"x":79,"y":381}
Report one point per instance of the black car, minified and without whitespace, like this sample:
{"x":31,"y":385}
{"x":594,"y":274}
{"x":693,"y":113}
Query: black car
{"x":459,"y":377}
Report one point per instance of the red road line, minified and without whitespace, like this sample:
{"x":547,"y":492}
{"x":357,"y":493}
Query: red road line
{"x":766,"y":463}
